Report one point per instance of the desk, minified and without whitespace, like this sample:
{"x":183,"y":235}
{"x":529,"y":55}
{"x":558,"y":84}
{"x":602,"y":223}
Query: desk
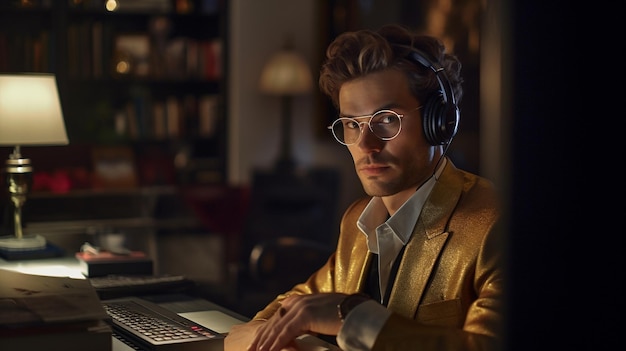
{"x":201,"y":311}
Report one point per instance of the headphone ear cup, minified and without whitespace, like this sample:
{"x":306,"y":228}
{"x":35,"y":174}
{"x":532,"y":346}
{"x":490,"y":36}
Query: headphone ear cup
{"x":439,"y":120}
{"x":450,"y":125}
{"x":431,"y":119}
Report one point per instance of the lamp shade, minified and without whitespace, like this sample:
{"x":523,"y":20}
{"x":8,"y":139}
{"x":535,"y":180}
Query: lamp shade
{"x":286,"y":73}
{"x":30,"y":110}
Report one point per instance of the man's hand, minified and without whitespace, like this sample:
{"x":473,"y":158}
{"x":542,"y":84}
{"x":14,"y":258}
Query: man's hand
{"x":241,"y":335}
{"x":299,"y":314}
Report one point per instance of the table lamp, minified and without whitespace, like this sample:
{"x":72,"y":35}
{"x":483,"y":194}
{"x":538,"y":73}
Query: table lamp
{"x":286,"y":74}
{"x":30,"y":114}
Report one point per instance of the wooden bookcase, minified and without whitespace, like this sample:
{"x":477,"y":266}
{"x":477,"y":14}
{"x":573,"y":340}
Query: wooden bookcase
{"x":149,"y":76}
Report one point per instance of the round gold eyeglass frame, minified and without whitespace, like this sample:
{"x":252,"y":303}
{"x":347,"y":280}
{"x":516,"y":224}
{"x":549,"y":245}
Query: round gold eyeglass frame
{"x":370,"y":118}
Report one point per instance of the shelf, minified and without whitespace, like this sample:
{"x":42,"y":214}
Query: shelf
{"x":151,"y":191}
{"x":82,"y":227}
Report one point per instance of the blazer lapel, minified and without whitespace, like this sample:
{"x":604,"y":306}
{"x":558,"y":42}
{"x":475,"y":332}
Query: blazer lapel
{"x":425,"y":245}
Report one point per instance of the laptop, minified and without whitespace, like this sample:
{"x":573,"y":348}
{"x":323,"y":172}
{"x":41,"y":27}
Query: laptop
{"x":211,"y":316}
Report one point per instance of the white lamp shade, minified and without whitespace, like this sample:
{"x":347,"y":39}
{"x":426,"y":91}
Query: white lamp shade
{"x":30,"y":110}
{"x":286,"y":73}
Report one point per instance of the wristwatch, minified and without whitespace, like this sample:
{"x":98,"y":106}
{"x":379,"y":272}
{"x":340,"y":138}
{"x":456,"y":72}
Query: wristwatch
{"x":350,"y":302}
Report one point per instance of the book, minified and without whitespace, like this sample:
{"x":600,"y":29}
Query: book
{"x":42,"y":312}
{"x":107,"y":263}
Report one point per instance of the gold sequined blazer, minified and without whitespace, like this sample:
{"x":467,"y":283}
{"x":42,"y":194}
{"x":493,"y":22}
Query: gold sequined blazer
{"x":449,"y":290}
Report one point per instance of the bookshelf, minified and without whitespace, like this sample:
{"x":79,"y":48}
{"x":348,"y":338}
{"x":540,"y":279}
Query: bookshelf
{"x":149,"y":75}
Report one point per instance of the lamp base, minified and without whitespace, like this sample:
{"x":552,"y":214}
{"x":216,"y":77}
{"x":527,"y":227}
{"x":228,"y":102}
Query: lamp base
{"x":27,"y":248}
{"x":27,"y":242}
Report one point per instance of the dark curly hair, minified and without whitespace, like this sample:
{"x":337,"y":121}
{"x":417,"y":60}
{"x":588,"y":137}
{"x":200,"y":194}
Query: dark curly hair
{"x":358,"y":53}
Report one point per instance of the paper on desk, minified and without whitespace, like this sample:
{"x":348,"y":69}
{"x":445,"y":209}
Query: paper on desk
{"x":28,"y":299}
{"x":50,"y":270}
{"x":215,"y":320}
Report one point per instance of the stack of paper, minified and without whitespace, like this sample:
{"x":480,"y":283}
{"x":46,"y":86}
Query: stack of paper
{"x":51,"y":313}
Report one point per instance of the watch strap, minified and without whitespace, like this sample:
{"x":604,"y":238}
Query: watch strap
{"x":349,"y":303}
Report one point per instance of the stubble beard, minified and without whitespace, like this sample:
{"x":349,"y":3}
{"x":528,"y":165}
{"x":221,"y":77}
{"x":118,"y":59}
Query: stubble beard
{"x":379,"y":188}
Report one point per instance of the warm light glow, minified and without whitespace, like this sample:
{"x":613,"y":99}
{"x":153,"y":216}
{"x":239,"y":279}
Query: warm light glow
{"x":30,"y":110}
{"x":111,"y":5}
{"x":286,"y":73}
{"x":122,"y":67}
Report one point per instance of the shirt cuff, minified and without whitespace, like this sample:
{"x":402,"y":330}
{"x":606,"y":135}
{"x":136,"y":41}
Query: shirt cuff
{"x":362,"y":325}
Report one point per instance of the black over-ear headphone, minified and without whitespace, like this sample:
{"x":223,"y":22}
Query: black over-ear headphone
{"x":440,"y":116}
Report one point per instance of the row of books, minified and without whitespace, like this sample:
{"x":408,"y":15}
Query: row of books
{"x":95,"y":52}
{"x":27,"y":52}
{"x":172,"y":118}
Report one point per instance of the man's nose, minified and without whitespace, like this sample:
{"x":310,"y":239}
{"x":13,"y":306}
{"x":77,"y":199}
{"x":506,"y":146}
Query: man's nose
{"x":368,"y":140}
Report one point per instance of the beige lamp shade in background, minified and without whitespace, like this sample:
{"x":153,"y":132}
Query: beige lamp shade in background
{"x":30,"y":110}
{"x":30,"y":114}
{"x":286,"y":74}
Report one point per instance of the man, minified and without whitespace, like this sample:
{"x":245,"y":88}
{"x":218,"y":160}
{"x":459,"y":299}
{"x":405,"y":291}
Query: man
{"x":417,"y":264}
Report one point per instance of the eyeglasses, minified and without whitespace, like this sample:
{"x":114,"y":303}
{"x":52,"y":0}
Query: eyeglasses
{"x":385,"y":124}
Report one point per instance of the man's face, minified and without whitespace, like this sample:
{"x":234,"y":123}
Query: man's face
{"x":386,"y":168}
